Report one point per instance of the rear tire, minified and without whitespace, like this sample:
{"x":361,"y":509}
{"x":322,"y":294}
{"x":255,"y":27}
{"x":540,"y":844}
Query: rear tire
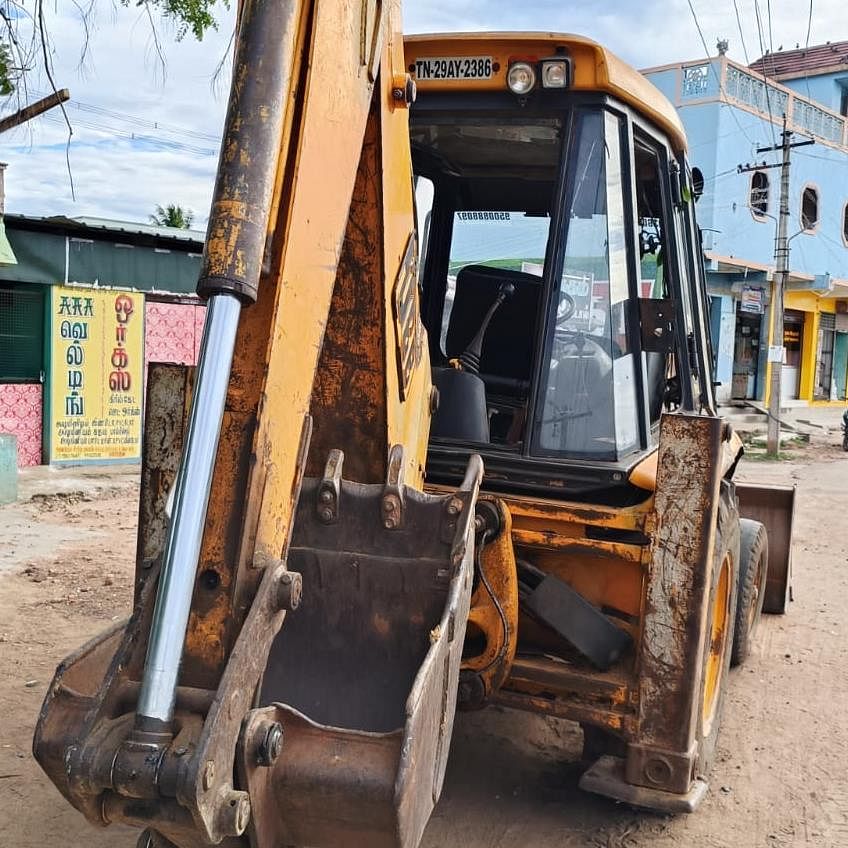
{"x":720,"y":618}
{"x":753,"y":569}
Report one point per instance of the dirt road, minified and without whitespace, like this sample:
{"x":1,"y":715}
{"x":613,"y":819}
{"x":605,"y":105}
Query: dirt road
{"x":780,"y":779}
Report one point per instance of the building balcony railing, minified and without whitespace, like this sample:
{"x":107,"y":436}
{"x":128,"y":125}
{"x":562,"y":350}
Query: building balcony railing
{"x":722,"y":79}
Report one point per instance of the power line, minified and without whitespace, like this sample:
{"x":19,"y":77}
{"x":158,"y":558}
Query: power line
{"x":806,"y":48}
{"x":765,"y":82}
{"x":715,"y":73}
{"x":771,"y":40}
{"x":162,"y":143}
{"x":838,"y":159}
{"x":809,"y":25}
{"x":135,"y":120}
{"x":741,"y":36}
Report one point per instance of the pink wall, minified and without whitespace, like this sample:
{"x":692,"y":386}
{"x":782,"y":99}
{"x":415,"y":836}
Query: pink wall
{"x":172,"y":332}
{"x":20,"y":415}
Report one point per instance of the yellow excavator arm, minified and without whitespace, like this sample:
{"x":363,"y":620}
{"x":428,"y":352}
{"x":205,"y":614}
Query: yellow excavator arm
{"x":313,"y":365}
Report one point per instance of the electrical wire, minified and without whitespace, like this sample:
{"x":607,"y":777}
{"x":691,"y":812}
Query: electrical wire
{"x":163,"y":143}
{"x":485,"y":581}
{"x":715,"y":73}
{"x":806,"y":48}
{"x":135,"y":120}
{"x":741,"y":36}
{"x":771,"y":40}
{"x":765,"y":83}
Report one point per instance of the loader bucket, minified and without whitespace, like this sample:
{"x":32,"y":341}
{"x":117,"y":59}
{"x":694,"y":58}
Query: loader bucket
{"x":363,"y":676}
{"x":773,"y":506}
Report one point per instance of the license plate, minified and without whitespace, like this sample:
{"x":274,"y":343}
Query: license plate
{"x":454,"y":68}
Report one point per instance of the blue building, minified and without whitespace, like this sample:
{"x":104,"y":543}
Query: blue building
{"x":729,"y":110}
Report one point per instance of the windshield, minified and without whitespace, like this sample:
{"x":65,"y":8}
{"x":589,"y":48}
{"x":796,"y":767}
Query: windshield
{"x":533,"y":220}
{"x":587,"y":395}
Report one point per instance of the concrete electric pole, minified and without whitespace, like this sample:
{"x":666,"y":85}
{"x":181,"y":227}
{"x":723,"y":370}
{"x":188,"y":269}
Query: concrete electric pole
{"x":781,"y":261}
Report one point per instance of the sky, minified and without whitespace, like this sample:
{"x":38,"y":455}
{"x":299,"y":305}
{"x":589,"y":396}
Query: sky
{"x":145,"y":133}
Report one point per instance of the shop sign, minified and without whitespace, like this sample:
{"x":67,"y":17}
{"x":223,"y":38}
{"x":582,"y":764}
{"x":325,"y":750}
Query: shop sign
{"x":96,"y":375}
{"x":752,"y":300}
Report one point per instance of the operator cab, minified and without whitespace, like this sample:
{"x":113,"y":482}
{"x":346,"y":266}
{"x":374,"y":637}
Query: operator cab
{"x":562,"y":289}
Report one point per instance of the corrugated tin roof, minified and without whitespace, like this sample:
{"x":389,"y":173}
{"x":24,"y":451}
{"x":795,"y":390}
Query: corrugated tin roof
{"x":786,"y":64}
{"x":112,"y":230}
{"x":140,"y":229}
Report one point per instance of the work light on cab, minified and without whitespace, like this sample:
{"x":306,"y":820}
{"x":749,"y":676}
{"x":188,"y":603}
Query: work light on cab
{"x":521,"y":78}
{"x":555,"y":73}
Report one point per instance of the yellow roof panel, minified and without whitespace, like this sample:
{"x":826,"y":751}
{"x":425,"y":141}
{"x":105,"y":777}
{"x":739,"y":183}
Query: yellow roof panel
{"x":594,"y":68}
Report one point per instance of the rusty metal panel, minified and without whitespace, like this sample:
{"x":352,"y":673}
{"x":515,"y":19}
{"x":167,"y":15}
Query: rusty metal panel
{"x":773,"y":506}
{"x":677,"y":594}
{"x":279,"y":339}
{"x":349,"y":395}
{"x":165,"y":413}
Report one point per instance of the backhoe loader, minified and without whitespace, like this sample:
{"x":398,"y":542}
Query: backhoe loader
{"x":451,"y":442}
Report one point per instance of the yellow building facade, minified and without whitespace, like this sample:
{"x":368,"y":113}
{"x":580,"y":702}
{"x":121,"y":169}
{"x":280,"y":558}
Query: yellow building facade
{"x":815,"y":339}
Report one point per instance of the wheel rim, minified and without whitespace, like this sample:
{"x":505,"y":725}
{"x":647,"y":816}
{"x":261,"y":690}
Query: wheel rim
{"x":754,"y":606}
{"x":719,"y":628}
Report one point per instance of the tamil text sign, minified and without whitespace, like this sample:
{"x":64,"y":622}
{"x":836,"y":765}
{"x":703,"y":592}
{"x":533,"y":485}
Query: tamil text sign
{"x":97,"y":363}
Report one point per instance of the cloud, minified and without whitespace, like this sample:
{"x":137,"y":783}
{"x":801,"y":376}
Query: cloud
{"x":142,"y":133}
{"x":143,"y":136}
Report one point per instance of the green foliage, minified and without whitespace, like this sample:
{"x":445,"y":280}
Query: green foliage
{"x":21,"y":49}
{"x":172,"y":216}
{"x":7,"y":83}
{"x":194,"y":15}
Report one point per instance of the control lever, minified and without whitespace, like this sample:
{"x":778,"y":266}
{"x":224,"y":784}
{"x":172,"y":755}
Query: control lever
{"x":469,"y":360}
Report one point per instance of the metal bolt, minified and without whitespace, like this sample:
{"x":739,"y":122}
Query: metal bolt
{"x":389,"y":523}
{"x":325,"y":514}
{"x":235,"y":813}
{"x":270,"y":743}
{"x":389,"y":505}
{"x":326,"y":496}
{"x":399,"y":94}
{"x":289,"y":590}
{"x":208,"y":775}
{"x":454,"y":506}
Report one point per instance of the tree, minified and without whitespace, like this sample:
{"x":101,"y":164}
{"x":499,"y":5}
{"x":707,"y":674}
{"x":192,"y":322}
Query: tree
{"x":172,"y":216}
{"x":25,"y":31}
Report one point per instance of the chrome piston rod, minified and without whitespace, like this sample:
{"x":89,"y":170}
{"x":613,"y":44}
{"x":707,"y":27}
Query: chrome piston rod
{"x":188,"y":518}
{"x":239,"y":222}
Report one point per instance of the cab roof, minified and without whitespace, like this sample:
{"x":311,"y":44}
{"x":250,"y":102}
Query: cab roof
{"x":594,"y":68}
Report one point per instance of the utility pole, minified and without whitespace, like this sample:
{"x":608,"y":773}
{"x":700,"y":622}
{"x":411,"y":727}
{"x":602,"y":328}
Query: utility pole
{"x":781,"y":261}
{"x":34,"y":109}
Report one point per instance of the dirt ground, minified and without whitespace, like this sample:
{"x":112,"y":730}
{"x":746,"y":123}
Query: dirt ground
{"x":780,"y":779}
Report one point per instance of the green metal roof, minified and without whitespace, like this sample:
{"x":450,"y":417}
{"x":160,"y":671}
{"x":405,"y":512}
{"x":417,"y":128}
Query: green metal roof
{"x":103,"y":252}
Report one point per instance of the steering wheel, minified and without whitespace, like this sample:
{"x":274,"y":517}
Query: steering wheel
{"x":566,"y":307}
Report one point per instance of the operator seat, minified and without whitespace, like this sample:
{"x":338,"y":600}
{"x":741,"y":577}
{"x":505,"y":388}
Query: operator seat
{"x":507,"y":356}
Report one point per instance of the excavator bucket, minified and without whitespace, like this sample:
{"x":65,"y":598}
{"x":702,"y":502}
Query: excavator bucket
{"x":331,"y":725}
{"x":362,"y":680}
{"x":773,"y":506}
